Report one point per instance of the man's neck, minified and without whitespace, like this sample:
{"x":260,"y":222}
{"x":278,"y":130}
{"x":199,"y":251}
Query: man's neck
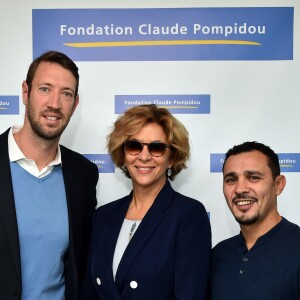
{"x":33,"y":147}
{"x":254,"y":231}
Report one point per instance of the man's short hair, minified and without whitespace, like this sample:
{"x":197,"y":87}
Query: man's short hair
{"x":273,"y":161}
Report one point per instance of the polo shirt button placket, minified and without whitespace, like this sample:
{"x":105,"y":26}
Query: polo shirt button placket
{"x":242,"y":270}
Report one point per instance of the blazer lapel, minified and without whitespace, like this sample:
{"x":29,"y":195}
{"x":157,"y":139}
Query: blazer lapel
{"x":8,"y":216}
{"x":149,"y":224}
{"x":68,"y":175}
{"x":116,"y":222}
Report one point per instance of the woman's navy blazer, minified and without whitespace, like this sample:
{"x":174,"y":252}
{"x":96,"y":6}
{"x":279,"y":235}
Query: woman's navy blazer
{"x":167,"y":258}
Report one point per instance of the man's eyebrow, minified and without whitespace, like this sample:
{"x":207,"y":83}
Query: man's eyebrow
{"x":229,"y":174}
{"x":253,"y":172}
{"x":68,"y":88}
{"x":247,"y":172}
{"x":51,"y":85}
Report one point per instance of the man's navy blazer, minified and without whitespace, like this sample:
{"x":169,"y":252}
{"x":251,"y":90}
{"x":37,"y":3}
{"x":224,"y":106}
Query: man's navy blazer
{"x":80,"y":179}
{"x":168,"y":257}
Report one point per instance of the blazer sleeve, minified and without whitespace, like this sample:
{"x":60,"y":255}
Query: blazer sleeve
{"x":193,"y":255}
{"x":89,"y":291}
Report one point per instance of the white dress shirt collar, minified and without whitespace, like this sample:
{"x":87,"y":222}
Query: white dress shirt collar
{"x":16,"y":155}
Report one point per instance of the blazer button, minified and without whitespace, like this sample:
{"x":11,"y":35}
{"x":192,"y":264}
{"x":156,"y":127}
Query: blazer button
{"x":133,"y":284}
{"x":98,"y":281}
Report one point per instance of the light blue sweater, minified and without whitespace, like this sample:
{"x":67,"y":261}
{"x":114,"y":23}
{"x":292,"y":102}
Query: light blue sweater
{"x":42,"y":217}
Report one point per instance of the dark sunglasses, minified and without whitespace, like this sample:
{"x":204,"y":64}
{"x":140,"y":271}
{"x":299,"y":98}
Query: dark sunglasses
{"x":135,"y":147}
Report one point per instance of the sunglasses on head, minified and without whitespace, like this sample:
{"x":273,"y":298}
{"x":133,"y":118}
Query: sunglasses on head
{"x":135,"y":147}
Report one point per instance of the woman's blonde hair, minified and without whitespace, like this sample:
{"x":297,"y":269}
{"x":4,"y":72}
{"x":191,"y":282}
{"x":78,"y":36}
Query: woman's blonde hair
{"x":131,"y":123}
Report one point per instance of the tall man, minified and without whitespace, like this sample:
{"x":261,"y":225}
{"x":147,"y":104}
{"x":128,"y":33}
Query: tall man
{"x":263,"y":261}
{"x":47,"y":192}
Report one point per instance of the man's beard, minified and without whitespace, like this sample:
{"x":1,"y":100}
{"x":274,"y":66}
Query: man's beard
{"x":248,"y":221}
{"x":39,"y":130}
{"x":242,"y":219}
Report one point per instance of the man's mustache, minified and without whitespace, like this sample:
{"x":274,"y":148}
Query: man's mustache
{"x":244,"y":197}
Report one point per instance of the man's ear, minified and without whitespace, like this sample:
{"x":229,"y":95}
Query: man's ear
{"x":76,"y":101}
{"x":280,"y":182}
{"x":25,"y":92}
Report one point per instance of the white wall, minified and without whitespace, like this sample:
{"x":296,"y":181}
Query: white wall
{"x":250,"y":100}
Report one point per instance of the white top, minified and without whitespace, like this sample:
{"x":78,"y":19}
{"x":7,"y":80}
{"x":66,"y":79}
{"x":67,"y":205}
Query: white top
{"x":122,"y":242}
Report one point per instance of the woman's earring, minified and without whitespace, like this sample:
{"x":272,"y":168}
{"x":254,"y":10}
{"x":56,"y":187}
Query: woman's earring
{"x":169,"y":172}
